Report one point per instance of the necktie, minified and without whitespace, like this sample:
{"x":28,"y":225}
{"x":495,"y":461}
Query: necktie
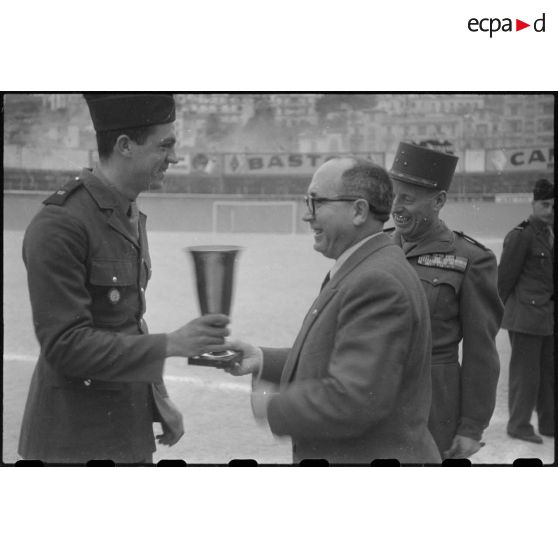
{"x":325,"y":281}
{"x":133,"y":215}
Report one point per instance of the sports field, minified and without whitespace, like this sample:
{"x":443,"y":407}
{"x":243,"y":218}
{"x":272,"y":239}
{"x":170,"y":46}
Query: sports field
{"x":278,"y":276}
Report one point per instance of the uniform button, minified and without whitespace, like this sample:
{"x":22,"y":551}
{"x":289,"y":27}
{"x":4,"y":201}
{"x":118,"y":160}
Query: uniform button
{"x":114,"y":279}
{"x":315,"y":311}
{"x":435,"y":280}
{"x":532,"y":302}
{"x":142,"y":290}
{"x":87,"y":382}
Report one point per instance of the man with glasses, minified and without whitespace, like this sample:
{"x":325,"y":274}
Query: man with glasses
{"x":355,"y":386}
{"x":459,"y":277}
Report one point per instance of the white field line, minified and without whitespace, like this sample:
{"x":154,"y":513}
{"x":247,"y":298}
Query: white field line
{"x":20,"y":358}
{"x":197,"y":382}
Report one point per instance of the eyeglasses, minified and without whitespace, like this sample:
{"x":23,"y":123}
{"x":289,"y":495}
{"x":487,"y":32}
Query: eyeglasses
{"x":312,"y":200}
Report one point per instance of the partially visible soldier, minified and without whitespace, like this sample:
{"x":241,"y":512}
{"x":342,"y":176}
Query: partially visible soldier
{"x":459,"y":277}
{"x":525,"y":282}
{"x":98,"y":384}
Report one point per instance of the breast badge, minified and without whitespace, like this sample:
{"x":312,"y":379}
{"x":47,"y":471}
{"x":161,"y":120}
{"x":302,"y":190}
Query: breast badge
{"x":114,"y":296}
{"x":444,"y":261}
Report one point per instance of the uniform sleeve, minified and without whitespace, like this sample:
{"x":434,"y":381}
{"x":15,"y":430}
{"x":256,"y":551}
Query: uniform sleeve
{"x":364,"y":371}
{"x":481,"y":315}
{"x":54,"y":252}
{"x":513,"y":257}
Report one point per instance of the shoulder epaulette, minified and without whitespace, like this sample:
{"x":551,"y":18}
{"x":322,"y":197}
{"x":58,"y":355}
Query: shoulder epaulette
{"x":60,"y":196}
{"x":522,"y":225}
{"x":471,"y":240}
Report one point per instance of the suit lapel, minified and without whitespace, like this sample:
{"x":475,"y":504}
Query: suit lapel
{"x":325,"y":297}
{"x":319,"y":304}
{"x":366,"y":250}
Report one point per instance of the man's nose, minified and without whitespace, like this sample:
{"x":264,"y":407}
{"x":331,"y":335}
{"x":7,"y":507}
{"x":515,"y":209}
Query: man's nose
{"x":172,"y":157}
{"x":307,"y":216}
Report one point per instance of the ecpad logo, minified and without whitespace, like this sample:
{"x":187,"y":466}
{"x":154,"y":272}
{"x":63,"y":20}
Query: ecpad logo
{"x":495,"y":24}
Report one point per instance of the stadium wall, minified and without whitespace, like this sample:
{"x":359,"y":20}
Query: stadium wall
{"x":465,"y":186}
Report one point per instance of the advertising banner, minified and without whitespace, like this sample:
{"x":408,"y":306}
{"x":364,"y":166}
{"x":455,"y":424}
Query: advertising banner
{"x":282,"y":163}
{"x":520,"y":159}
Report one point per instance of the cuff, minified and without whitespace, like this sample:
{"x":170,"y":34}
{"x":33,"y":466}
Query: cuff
{"x":470,"y":428}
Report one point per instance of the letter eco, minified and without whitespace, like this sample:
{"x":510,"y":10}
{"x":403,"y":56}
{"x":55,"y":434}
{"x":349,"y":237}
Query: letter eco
{"x":471,"y":22}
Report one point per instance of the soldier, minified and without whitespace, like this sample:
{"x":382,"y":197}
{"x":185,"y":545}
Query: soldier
{"x":459,"y":277}
{"x":525,"y":282}
{"x":98,"y":385}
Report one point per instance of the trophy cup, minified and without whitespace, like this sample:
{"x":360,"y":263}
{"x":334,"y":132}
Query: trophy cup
{"x":214,"y":272}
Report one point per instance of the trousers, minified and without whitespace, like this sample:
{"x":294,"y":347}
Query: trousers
{"x":531,"y":383}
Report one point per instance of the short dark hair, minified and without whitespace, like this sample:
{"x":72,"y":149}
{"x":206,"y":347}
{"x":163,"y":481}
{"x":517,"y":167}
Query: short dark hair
{"x":371,"y":182}
{"x":106,"y":140}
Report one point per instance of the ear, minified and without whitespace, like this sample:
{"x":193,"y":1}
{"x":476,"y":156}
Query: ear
{"x":440,"y":200}
{"x":123,"y":145}
{"x":361,"y":210}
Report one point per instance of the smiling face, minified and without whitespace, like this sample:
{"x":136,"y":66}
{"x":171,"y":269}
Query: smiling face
{"x":332,"y":224}
{"x":415,"y":209}
{"x":151,"y":159}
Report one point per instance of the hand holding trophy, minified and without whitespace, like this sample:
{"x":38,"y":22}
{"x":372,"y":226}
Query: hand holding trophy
{"x":214,"y":268}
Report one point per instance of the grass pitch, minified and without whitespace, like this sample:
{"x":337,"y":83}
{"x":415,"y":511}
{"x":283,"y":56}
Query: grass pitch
{"x":278,"y":276}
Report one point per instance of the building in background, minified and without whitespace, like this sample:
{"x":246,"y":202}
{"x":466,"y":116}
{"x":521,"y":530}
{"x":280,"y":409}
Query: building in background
{"x":214,"y":123}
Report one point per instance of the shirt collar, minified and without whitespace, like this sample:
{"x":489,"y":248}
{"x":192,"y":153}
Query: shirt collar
{"x":122,"y":201}
{"x":347,"y":253}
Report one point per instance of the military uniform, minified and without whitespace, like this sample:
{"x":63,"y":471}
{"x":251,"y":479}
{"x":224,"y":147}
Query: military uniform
{"x":91,"y":394}
{"x":526,"y":285}
{"x":459,"y":277}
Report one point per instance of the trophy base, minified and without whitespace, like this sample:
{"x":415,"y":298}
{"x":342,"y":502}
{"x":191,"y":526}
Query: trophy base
{"x":224,"y":359}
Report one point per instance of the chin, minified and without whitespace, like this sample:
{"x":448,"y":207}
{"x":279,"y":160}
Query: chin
{"x":157,"y":185}
{"x":319,"y":248}
{"x":405,"y":231}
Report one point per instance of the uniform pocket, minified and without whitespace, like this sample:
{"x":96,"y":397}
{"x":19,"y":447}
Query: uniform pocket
{"x":113,"y":291}
{"x":112,"y":273}
{"x":534,"y":299}
{"x":442,"y":291}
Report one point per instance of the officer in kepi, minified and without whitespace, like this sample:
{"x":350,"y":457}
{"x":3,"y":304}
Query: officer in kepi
{"x":98,"y":385}
{"x":526,"y":284}
{"x":459,"y":276}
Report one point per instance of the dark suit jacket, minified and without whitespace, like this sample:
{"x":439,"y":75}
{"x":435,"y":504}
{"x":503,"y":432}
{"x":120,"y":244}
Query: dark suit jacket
{"x":356,"y":384}
{"x":91,"y":391}
{"x":525,"y":279}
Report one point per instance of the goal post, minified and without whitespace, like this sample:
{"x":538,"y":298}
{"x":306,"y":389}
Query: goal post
{"x":255,"y":216}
